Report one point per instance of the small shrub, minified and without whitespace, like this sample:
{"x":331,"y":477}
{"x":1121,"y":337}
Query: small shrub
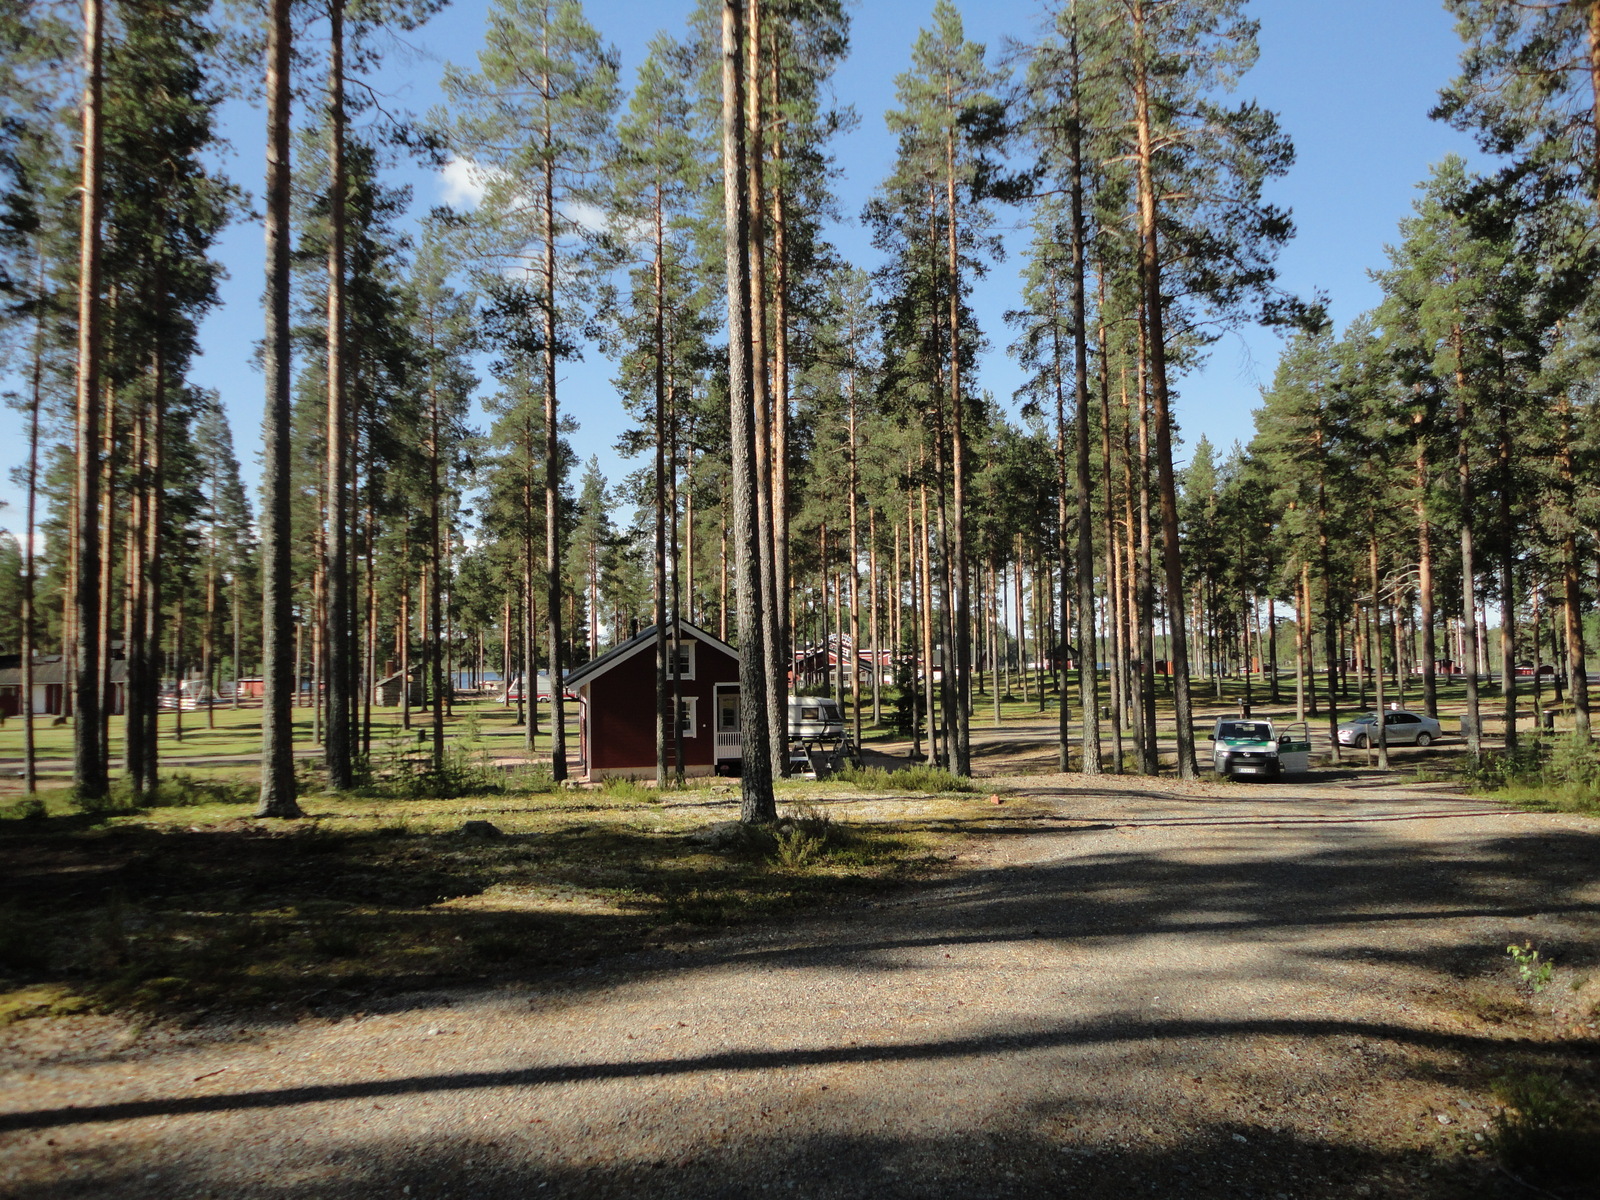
{"x":29,"y":808}
{"x":805,"y":839}
{"x":182,"y":790}
{"x":907,"y":707}
{"x":1493,"y":771}
{"x":1534,"y":970}
{"x":1549,"y":774}
{"x":531,"y":779}
{"x":1575,"y":761}
{"x":119,"y":798}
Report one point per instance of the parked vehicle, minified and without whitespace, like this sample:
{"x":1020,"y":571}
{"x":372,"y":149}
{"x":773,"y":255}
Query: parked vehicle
{"x":1400,"y":728}
{"x":1255,"y":746}
{"x":513,"y":689}
{"x":818,"y":741}
{"x":189,"y":695}
{"x":815,"y":717}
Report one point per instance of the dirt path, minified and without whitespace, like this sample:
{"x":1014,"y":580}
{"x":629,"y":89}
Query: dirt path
{"x":1213,"y":990}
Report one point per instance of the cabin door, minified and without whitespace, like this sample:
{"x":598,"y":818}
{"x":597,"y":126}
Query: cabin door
{"x":728,"y":742}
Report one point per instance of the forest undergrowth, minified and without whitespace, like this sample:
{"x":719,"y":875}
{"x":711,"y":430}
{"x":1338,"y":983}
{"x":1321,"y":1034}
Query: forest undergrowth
{"x":192,"y":905}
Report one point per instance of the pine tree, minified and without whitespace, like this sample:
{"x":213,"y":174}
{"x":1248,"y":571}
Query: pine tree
{"x":659,"y":175}
{"x":277,"y":617}
{"x":755,"y":781}
{"x":1462,"y":298}
{"x":536,"y":123}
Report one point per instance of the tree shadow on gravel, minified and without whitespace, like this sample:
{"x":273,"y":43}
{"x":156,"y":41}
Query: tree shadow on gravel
{"x":1216,"y":1162}
{"x":1354,"y":883}
{"x":1125,"y":1031}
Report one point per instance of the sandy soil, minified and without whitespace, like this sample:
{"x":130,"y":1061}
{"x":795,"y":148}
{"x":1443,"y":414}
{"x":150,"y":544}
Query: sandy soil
{"x":1134,"y":988}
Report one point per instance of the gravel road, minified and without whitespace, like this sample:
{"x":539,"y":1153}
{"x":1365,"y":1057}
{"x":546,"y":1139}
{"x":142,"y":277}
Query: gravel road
{"x":1151,"y":989}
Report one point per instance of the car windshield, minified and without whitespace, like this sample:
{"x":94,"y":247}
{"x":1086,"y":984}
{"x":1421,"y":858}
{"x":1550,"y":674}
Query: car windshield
{"x":1255,"y":731}
{"x":1368,"y":719}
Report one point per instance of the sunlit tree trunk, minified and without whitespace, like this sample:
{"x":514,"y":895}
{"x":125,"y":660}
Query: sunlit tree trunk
{"x":1150,"y":263}
{"x":340,"y":632}
{"x":89,"y":774}
{"x":277,"y":616}
{"x":757,"y":802}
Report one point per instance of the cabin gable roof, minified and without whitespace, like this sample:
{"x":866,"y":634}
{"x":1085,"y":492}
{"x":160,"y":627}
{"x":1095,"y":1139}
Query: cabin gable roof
{"x":641,"y":641}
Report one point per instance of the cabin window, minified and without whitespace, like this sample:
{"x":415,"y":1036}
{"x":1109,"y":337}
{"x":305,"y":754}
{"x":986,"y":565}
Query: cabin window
{"x":728,"y":712}
{"x":810,"y":712}
{"x":688,"y":710}
{"x":685,"y":663}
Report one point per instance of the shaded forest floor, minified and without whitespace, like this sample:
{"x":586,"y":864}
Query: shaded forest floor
{"x":1098,"y":987}
{"x":1053,"y":985}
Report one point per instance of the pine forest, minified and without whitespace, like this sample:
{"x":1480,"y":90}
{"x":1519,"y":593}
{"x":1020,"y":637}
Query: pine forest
{"x":813,"y":467}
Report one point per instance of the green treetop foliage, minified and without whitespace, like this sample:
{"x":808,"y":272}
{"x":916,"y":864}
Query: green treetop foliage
{"x":1528,"y":90}
{"x":534,"y":126}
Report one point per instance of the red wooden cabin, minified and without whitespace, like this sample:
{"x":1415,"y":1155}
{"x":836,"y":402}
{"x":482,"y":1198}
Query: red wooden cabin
{"x":617,"y":706}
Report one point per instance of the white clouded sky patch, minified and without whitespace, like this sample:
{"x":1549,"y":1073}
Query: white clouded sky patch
{"x":463,"y":183}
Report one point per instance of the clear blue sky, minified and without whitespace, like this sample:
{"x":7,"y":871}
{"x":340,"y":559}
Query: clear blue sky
{"x":1352,"y":81}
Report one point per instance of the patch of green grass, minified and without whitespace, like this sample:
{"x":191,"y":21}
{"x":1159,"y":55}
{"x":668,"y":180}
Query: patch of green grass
{"x":1543,"y":774}
{"x":1534,"y":797}
{"x":50,"y":1000}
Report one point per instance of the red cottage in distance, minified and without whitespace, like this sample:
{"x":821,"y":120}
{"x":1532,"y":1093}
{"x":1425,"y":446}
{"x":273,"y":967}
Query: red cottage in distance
{"x":617,"y":707}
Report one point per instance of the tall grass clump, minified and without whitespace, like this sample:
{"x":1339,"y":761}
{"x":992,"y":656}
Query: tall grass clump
{"x":1546,"y":1129}
{"x":918,"y":777}
{"x":1560,"y":774}
{"x":624,"y":790}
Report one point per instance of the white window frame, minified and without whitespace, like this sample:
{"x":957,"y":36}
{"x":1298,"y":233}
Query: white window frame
{"x":689,"y":715}
{"x":686,"y":648}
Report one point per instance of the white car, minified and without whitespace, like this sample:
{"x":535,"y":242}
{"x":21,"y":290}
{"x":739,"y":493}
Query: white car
{"x":1400,"y":728}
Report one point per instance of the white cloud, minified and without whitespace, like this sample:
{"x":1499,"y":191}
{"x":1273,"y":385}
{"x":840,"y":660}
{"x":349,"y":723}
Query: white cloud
{"x":464,"y":183}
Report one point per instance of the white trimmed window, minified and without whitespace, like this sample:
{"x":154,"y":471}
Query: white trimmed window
{"x":685,"y":659}
{"x":688,"y":712}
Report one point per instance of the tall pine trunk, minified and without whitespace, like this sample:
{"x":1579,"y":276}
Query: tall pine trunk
{"x":552,"y":465}
{"x":1088,"y":656}
{"x":961,"y":617}
{"x":662,"y":648}
{"x":1150,"y":271}
{"x":755,"y":782}
{"x":277,"y":596}
{"x":30,"y":780}
{"x":89,"y":773}
{"x":1469,"y":607}
{"x":767,"y":517}
{"x":340,"y":624}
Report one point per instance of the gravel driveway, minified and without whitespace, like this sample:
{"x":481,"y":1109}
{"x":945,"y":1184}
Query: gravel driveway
{"x":1151,"y":990}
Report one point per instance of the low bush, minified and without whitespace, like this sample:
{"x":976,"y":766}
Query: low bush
{"x":29,"y":808}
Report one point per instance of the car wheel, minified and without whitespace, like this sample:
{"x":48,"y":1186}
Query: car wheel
{"x":1361,"y":742}
{"x":1424,"y":738}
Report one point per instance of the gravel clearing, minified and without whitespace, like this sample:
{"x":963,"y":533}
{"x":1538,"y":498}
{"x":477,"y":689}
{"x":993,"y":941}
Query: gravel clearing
{"x":1136,"y":988}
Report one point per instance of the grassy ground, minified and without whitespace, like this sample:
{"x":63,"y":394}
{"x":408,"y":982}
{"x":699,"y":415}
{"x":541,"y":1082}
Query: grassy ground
{"x":182,"y":909}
